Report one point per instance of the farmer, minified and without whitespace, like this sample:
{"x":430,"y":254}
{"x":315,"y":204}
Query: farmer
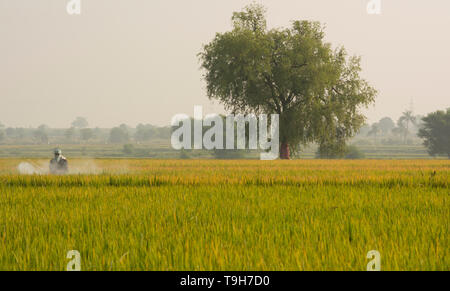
{"x":59,"y":164}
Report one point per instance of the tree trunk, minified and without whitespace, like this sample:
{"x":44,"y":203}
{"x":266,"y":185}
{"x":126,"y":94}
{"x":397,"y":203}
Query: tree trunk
{"x":284,"y":151}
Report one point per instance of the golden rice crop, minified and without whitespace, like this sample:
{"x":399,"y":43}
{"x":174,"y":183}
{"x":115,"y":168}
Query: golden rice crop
{"x":227,"y":215}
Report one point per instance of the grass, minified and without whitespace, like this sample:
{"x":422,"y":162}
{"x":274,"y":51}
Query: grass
{"x":227,"y":215}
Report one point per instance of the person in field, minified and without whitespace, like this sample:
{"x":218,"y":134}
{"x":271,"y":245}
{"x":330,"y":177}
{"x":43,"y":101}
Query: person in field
{"x":59,"y":164}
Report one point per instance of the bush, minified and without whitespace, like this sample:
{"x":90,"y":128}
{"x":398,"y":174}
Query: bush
{"x":334,"y":150}
{"x":128,"y":149}
{"x":353,"y":153}
{"x":349,"y":152}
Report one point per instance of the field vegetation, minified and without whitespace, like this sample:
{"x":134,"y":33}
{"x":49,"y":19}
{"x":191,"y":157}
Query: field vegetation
{"x":226,"y":215}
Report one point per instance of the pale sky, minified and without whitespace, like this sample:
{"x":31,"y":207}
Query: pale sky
{"x":135,"y":61}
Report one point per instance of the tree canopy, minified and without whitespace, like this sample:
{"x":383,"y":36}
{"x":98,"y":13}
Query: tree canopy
{"x":119,"y":134}
{"x":293,"y":72}
{"x":386,"y":125}
{"x":436,"y":133}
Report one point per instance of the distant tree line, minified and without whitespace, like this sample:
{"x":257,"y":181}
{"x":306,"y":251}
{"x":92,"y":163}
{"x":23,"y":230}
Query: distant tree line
{"x":80,"y":133}
{"x":432,"y":130}
{"x":386,"y":131}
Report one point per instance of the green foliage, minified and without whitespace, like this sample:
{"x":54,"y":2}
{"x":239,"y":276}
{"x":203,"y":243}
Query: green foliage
{"x":291,"y":72}
{"x":339,"y":151}
{"x":119,"y":135}
{"x":86,"y":134}
{"x":145,"y":132}
{"x":436,"y":133}
{"x":227,"y":215}
{"x":164,"y":132}
{"x":252,"y":18}
{"x":331,"y":150}
{"x":2,"y":135}
{"x":353,"y":153}
{"x":128,"y":149}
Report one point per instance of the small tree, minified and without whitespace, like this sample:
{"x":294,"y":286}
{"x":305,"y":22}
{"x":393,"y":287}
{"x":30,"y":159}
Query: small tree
{"x":128,"y":149}
{"x":353,"y":153}
{"x":331,"y":151}
{"x":118,"y":135}
{"x":80,"y":122}
{"x":436,"y":133}
{"x":339,"y":151}
{"x":2,"y":135}
{"x":86,"y":134}
{"x":145,"y":132}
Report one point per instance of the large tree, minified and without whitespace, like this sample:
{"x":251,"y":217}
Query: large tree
{"x":293,"y":72}
{"x":436,"y":132}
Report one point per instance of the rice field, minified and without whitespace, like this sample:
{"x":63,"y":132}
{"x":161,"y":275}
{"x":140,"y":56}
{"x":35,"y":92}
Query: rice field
{"x":226,"y":215}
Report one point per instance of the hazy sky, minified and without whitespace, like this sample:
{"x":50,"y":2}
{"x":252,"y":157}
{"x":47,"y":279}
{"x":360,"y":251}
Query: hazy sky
{"x":135,"y":61}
